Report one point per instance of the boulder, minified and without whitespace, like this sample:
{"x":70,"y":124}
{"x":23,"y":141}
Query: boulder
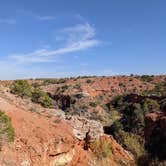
{"x":82,"y":125}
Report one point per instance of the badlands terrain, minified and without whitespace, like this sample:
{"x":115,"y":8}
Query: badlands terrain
{"x":83,"y":121}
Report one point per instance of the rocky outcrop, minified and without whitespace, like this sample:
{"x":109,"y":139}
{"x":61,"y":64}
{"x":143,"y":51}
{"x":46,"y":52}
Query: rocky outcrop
{"x":81,"y":126}
{"x":155,"y":134}
{"x":63,"y":158}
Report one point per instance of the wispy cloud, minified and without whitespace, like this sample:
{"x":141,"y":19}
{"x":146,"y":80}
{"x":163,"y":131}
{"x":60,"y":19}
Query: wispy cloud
{"x":45,"y":18}
{"x":36,"y":16}
{"x":77,"y":38}
{"x":7,"y":21}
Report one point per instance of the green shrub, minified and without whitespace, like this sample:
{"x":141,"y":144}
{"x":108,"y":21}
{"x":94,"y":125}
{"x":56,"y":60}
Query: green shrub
{"x":58,"y":90}
{"x":146,"y":78}
{"x":6,"y":129}
{"x":84,"y":106}
{"x":117,"y":102}
{"x":77,"y":86}
{"x":159,"y":90}
{"x":133,"y":119}
{"x":79,"y":95}
{"x":116,"y":126}
{"x":121,"y":84}
{"x":21,"y":88}
{"x":46,"y":101}
{"x":49,"y":81}
{"x":61,"y":81}
{"x":93,"y":104}
{"x":35,"y":84}
{"x":133,"y":143}
{"x":88,"y":81}
{"x":64,"y":87}
{"x":42,"y":98}
{"x":54,"y":81}
{"x":150,"y":105}
{"x":61,"y":89}
{"x":102,"y":148}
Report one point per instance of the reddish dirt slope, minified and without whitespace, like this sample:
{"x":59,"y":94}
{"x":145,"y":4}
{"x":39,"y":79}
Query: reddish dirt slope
{"x":40,"y":141}
{"x":110,"y":86}
{"x":116,"y":85}
{"x":34,"y":136}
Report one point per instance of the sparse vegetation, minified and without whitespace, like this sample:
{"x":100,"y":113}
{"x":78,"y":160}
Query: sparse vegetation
{"x":150,"y":105}
{"x":159,"y":90}
{"x":54,"y":81}
{"x":121,"y":84}
{"x":61,"y":89}
{"x":6,"y":129}
{"x":79,"y":95}
{"x":123,"y":115}
{"x":133,"y":143}
{"x":129,"y":129}
{"x":88,"y":81}
{"x":93,"y":104}
{"x":146,"y":78}
{"x":102,"y":148}
{"x":64,"y":87}
{"x":42,"y":98}
{"x":21,"y":88}
{"x":77,"y":86}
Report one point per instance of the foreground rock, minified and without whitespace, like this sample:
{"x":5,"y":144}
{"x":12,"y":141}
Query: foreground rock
{"x":82,"y":125}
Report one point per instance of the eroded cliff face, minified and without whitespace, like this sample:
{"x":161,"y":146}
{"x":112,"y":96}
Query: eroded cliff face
{"x":45,"y":138}
{"x":155,"y":134}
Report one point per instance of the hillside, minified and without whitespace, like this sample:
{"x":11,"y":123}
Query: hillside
{"x":84,"y":121}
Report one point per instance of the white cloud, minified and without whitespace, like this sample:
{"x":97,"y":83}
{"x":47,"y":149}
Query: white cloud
{"x":80,"y":32}
{"x":79,"y":37}
{"x":8,"y":21}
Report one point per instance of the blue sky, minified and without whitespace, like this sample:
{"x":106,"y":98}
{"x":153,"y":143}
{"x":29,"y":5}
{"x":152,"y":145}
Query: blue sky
{"x":62,"y":38}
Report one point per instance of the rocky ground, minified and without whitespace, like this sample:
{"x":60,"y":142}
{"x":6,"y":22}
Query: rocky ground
{"x":57,"y":136}
{"x":45,"y":137}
